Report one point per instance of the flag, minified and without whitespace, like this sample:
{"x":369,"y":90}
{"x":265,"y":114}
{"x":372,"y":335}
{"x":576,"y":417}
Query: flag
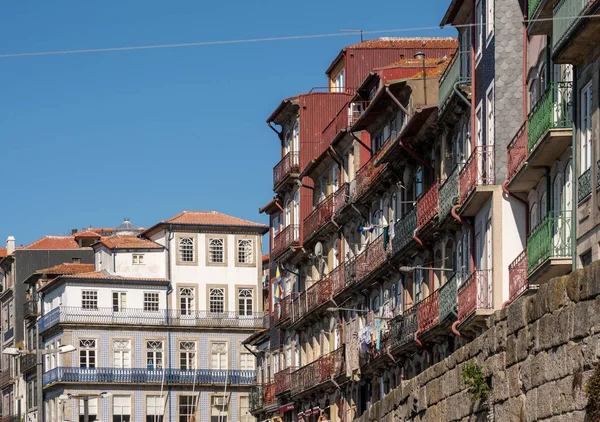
{"x":277,"y":286}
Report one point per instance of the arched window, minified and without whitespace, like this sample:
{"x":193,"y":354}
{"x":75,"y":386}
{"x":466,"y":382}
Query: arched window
{"x":287,"y":144}
{"x":296,"y":144}
{"x":419,"y":181}
{"x":186,"y":300}
{"x":186,"y":249}
{"x":245,"y":301}
{"x":216,"y":300}
{"x":557,"y":193}
{"x":533,"y":216}
{"x":568,"y":192}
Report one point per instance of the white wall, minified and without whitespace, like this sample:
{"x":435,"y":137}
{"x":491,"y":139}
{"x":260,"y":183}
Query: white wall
{"x":153,"y":266}
{"x":513,"y":237}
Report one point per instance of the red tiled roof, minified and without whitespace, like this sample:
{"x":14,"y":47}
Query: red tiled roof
{"x":87,"y":234}
{"x":403,"y":42}
{"x":418,"y":63}
{"x":265,"y":257}
{"x":68,"y":268}
{"x":129,"y":242}
{"x":53,"y":242}
{"x":211,"y":218}
{"x":104,"y":275}
{"x":3,"y":253}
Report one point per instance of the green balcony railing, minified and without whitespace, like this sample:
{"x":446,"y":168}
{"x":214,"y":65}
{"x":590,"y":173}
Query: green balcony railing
{"x":532,"y":6}
{"x":553,"y":110}
{"x":565,"y":15}
{"x":549,"y":239}
{"x":404,"y":230}
{"x":449,"y":299}
{"x":449,"y":194}
{"x":458,"y":71}
{"x":584,"y":185}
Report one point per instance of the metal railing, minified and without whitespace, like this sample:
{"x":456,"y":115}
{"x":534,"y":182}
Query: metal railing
{"x":321,"y":370}
{"x":532,"y":7}
{"x":340,"y":198}
{"x":137,"y":317}
{"x":339,"y":122}
{"x":289,"y":164}
{"x":475,"y":293}
{"x":312,"y":298}
{"x":368,"y":173}
{"x":288,"y":236}
{"x":517,"y":151}
{"x":31,"y":308}
{"x":369,"y":260}
{"x":549,"y":239}
{"x":283,"y":380}
{"x":322,"y":214}
{"x":256,"y":398}
{"x":553,"y":110}
{"x":429,"y":312}
{"x":478,"y":170}
{"x":404,"y":230}
{"x":5,"y":378}
{"x":449,"y":299}
{"x":428,"y":206}
{"x":517,"y":276}
{"x":357,"y":108}
{"x":27,"y":362}
{"x":283,"y":309}
{"x":458,"y":71}
{"x":144,"y":375}
{"x":405,"y":327}
{"x":584,"y":185}
{"x":565,"y":15}
{"x":448,"y":195}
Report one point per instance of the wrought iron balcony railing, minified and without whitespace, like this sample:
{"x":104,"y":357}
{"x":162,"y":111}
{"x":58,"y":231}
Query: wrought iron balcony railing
{"x":368,"y":173}
{"x":565,"y":15}
{"x":532,"y":7}
{"x":428,"y":206}
{"x":140,"y":317}
{"x":429,"y":312}
{"x":338,"y":278}
{"x":261,"y":396}
{"x":549,"y":239}
{"x":288,"y":236}
{"x":318,"y":372}
{"x":27,"y":362}
{"x":283,"y":310}
{"x":144,"y":375}
{"x":371,"y":259}
{"x":477,"y":171}
{"x":449,"y":299}
{"x":517,"y":276}
{"x":517,"y":151}
{"x":475,"y":293}
{"x":553,"y":110}
{"x":312,"y":298}
{"x":283,"y":380}
{"x":31,"y":308}
{"x":321,"y":215}
{"x":584,"y":185}
{"x":288,"y":165}
{"x":357,"y":108}
{"x":405,"y":327}
{"x":378,"y":348}
{"x":448,"y":195}
{"x":458,"y":71}
{"x":5,"y":378}
{"x":404,"y":230}
{"x":340,"y":198}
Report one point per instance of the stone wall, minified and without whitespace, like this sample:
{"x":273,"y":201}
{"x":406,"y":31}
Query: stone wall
{"x":538,"y":354}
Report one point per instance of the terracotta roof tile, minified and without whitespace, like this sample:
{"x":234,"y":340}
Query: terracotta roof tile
{"x":405,"y":42}
{"x":211,"y":218}
{"x":129,"y":242}
{"x":87,"y":234}
{"x":3,"y":253}
{"x":53,"y":242}
{"x":67,"y":268}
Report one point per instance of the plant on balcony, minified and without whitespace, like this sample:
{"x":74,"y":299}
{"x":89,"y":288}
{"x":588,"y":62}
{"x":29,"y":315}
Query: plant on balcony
{"x":477,"y":385}
{"x":592,"y":389}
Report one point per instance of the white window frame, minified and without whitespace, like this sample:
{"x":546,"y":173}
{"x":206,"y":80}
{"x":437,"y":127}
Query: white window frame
{"x":155,"y":354}
{"x":89,"y":300}
{"x":187,"y":300}
{"x":187,"y":355}
{"x":245,"y":301}
{"x":222,"y":362}
{"x":489,"y":21}
{"x":121,"y":407}
{"x":186,"y":249}
{"x":151,"y":301}
{"x":213,"y":250}
{"x":121,"y":349}
{"x":213,"y":301}
{"x":88,"y":356}
{"x":119,"y":301}
{"x":245,"y":251}
{"x":478,"y":31}
{"x":586,"y":120}
{"x":138,"y":259}
{"x":155,"y":409}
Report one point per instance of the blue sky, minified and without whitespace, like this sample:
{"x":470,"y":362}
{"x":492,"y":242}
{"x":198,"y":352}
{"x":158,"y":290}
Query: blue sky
{"x":89,"y":139}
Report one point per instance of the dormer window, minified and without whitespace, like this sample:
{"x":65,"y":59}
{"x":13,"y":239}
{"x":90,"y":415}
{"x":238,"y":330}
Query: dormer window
{"x":338,"y":82}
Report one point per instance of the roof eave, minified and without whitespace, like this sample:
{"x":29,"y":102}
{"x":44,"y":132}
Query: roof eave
{"x":335,"y":61}
{"x":451,"y":12}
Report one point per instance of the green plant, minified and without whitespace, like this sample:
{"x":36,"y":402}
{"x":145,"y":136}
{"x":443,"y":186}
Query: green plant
{"x":477,"y":385}
{"x":592,"y":389}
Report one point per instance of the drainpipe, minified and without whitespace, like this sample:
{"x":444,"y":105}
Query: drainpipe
{"x":394,"y":99}
{"x":460,"y":95}
{"x":574,"y":199}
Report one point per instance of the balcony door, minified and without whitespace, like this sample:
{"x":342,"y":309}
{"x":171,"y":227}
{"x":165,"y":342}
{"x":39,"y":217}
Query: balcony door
{"x":296,"y":144}
{"x":296,"y":214}
{"x":187,"y":305}
{"x":122,"y":353}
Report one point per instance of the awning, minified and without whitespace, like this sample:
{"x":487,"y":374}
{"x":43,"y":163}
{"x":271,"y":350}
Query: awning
{"x":286,"y":408}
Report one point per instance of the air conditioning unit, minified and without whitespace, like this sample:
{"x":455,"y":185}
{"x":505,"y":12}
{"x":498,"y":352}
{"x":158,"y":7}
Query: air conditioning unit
{"x":220,"y":401}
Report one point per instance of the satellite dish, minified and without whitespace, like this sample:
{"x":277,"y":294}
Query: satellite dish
{"x":319,"y":250}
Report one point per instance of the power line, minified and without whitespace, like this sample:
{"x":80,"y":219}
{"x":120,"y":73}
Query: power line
{"x":266,"y":39}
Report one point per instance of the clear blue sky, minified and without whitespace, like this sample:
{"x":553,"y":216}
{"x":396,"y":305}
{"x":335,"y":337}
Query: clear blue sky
{"x":91,"y":138}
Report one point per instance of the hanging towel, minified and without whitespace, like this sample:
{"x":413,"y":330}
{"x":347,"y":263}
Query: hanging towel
{"x":378,"y":327}
{"x":386,"y":230}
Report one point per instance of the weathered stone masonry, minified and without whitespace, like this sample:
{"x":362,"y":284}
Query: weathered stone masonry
{"x":538,"y":354}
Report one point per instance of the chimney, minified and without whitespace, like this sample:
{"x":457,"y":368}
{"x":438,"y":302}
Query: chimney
{"x":10,"y":245}
{"x":73,"y":231}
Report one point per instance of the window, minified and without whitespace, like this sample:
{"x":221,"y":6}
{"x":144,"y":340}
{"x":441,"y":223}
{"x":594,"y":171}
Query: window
{"x":247,"y":360}
{"x":245,"y":302}
{"x":31,"y":394}
{"x":150,"y":302}
{"x":186,"y":300}
{"x":8,"y":311}
{"x":245,"y":251}
{"x":89,"y":299}
{"x":218,"y":355}
{"x":586,"y":258}
{"x":187,"y":354}
{"x":187,"y":408}
{"x":32,"y":337}
{"x":478,"y":29}
{"x":587,"y":109}
{"x":216,"y":253}
{"x":216,"y":300}
{"x":87,"y":353}
{"x":138,"y":259}
{"x":218,"y":409}
{"x":121,"y":408}
{"x":489,"y":19}
{"x":92,"y":406}
{"x":119,"y":301}
{"x":245,"y":415}
{"x":296,"y":143}
{"x":186,"y":249}
{"x":338,"y":82}
{"x":275,"y":227}
{"x":122,"y":353}
{"x":490,"y":115}
{"x":154,"y":354}
{"x":154,"y":409}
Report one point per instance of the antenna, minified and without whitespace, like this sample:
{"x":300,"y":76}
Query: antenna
{"x":355,"y":31}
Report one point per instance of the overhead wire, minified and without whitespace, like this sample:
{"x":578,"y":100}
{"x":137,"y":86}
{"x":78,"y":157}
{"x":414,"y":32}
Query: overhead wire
{"x":267,"y":39}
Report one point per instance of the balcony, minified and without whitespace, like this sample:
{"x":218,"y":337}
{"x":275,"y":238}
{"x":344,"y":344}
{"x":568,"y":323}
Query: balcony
{"x":475,"y":295}
{"x":137,"y":317}
{"x":262,"y":396}
{"x":340,"y":199}
{"x":375,"y":350}
{"x":319,"y":217}
{"x":318,"y":372}
{"x":357,"y":108}
{"x":549,"y":247}
{"x":289,"y":236}
{"x":584,"y":185}
{"x":448,"y":194}
{"x":368,"y":174}
{"x":371,"y":259}
{"x":573,"y":35}
{"x":5,"y":378}
{"x":340,"y":277}
{"x":283,"y":380}
{"x":404,"y":329}
{"x":517,"y":276}
{"x":429,"y":312}
{"x":10,"y":418}
{"x":539,"y":13}
{"x":404,"y":231}
{"x":475,"y":176}
{"x":309,"y":300}
{"x":517,"y":155}
{"x":27,"y":362}
{"x":457,"y":72}
{"x":149,"y":376}
{"x":449,"y":300}
{"x":283,"y":310}
{"x":287,"y":168}
{"x":31,"y":309}
{"x":428,"y":206}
